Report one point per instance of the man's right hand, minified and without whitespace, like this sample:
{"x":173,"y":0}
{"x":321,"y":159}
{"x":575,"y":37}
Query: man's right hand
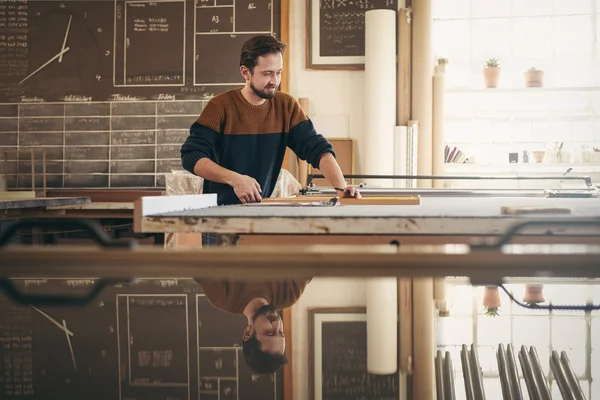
{"x":247,"y":189}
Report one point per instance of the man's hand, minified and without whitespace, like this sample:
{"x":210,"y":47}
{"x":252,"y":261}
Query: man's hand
{"x":349,"y":191}
{"x":247,"y":189}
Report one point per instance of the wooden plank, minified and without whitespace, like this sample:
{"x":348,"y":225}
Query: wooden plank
{"x":99,"y":205}
{"x":17,"y":195}
{"x":105,"y":195}
{"x":392,"y":200}
{"x":41,"y":202}
{"x":481,"y":266}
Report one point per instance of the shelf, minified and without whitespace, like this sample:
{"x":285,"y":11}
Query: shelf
{"x":523,"y":89}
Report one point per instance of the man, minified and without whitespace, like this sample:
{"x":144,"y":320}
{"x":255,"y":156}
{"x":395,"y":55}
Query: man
{"x":237,"y":145}
{"x":238,"y":142}
{"x":263,"y":338}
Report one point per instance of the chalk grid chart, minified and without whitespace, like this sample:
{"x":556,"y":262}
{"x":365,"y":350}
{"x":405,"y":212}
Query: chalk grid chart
{"x":222,"y":371}
{"x":139,"y":22}
{"x":158,"y":362}
{"x":226,"y":24}
{"x":217,"y":24}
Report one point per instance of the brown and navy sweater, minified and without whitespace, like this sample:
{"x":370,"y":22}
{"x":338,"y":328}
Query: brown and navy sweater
{"x":233,"y":295}
{"x":251,"y":140}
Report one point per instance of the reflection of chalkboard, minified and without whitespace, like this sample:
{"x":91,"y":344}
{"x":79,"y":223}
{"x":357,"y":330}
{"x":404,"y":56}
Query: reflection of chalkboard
{"x":156,"y":339}
{"x":98,"y":50}
{"x":338,"y":354}
{"x":336,"y":31}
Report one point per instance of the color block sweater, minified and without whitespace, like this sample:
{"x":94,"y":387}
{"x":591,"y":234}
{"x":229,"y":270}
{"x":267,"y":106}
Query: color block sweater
{"x":251,"y":140}
{"x":234,"y":295}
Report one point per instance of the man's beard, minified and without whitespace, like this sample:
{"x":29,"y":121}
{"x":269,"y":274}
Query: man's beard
{"x":264,"y":310}
{"x":262,"y":94}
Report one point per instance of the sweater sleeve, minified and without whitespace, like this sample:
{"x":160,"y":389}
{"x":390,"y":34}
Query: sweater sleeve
{"x":204,"y":137}
{"x":304,"y":140}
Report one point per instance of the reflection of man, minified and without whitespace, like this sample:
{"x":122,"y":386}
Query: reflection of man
{"x":263,"y":338}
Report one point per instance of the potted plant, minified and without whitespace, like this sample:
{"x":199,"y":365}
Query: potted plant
{"x":534,"y":77}
{"x":442,"y":62}
{"x":491,"y":301}
{"x":491,"y":73}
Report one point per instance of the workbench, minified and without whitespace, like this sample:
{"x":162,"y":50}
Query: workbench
{"x":19,"y":208}
{"x":435,"y":219}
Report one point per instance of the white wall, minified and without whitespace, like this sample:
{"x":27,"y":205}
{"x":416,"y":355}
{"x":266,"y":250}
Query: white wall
{"x":335,"y":97}
{"x":320,"y":292}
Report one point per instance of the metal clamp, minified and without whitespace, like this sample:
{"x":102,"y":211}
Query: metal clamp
{"x":99,"y":236}
{"x":515,"y":229}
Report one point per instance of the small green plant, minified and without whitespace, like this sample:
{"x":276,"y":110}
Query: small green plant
{"x":492,"y":63}
{"x":442,"y":61}
{"x":533,"y":69}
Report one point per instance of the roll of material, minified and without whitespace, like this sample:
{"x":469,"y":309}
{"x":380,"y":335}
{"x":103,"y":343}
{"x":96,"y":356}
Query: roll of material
{"x":438,"y":141}
{"x":405,"y":155}
{"x":422,"y":84}
{"x":382,"y":325}
{"x":380,"y":95}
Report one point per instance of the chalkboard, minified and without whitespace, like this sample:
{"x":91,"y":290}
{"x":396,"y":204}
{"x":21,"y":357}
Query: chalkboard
{"x":97,"y":50}
{"x":336,"y":32}
{"x":98,"y":144}
{"x":154,"y":339}
{"x":338,"y":354}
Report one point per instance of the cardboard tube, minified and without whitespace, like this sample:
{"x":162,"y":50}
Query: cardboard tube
{"x":439,"y":141}
{"x":380,"y":95}
{"x":422,"y":86}
{"x":404,"y":60}
{"x":382,"y":325}
{"x":406,"y":324}
{"x":423,"y":340}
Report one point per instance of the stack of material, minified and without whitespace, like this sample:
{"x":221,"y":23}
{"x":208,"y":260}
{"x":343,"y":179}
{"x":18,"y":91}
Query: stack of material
{"x":532,"y":372}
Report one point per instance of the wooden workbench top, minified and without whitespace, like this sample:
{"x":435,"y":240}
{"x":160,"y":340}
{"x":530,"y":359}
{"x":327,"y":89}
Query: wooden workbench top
{"x":42,"y":202}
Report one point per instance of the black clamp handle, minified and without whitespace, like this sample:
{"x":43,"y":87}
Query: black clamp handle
{"x":515,"y":229}
{"x":99,"y":236}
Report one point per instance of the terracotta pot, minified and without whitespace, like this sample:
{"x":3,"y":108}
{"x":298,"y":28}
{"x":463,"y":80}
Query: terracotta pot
{"x":533,"y":294}
{"x":534,"y":78}
{"x":491,"y":76}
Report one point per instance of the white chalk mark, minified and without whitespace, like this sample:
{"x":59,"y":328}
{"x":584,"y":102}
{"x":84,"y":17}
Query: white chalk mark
{"x":65,"y":40}
{"x":45,"y":64}
{"x":70,"y":346}
{"x":55,"y":322}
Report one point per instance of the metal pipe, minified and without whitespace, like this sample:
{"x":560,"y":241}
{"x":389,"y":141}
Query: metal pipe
{"x":515,"y":383}
{"x":448,"y":378}
{"x":571,"y":378}
{"x":558,"y":373}
{"x":586,"y":178}
{"x":503,"y":372}
{"x":476,"y":375}
{"x":467,"y":376}
{"x":532,"y":386}
{"x":439,"y":376}
{"x":538,"y":374}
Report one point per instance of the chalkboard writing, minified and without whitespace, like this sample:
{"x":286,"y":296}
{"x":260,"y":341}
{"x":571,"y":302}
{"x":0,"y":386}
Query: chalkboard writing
{"x":120,"y":50}
{"x":103,"y":144}
{"x":344,"y":368}
{"x":342,"y":25}
{"x":152,"y":339}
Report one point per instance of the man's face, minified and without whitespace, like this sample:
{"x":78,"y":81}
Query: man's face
{"x":269,"y":329}
{"x":267,"y":75}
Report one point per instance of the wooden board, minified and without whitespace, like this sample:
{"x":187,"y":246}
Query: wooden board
{"x":17,"y":195}
{"x":535,"y":210}
{"x":295,"y":261}
{"x":392,"y":200}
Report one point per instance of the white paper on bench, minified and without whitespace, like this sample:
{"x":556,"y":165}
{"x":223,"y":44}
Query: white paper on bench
{"x":153,"y":205}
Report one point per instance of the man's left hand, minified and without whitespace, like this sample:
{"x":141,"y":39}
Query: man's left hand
{"x":350,"y":192}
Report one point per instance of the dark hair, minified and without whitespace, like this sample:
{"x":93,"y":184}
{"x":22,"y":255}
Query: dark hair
{"x":259,"y":46}
{"x":261,"y":361}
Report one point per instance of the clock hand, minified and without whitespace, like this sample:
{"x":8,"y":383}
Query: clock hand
{"x":65,"y":40}
{"x":70,"y":345}
{"x":55,"y":322}
{"x":45,"y":64}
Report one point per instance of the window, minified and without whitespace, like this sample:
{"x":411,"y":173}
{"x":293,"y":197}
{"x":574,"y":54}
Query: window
{"x":560,"y":37}
{"x":575,"y":332}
